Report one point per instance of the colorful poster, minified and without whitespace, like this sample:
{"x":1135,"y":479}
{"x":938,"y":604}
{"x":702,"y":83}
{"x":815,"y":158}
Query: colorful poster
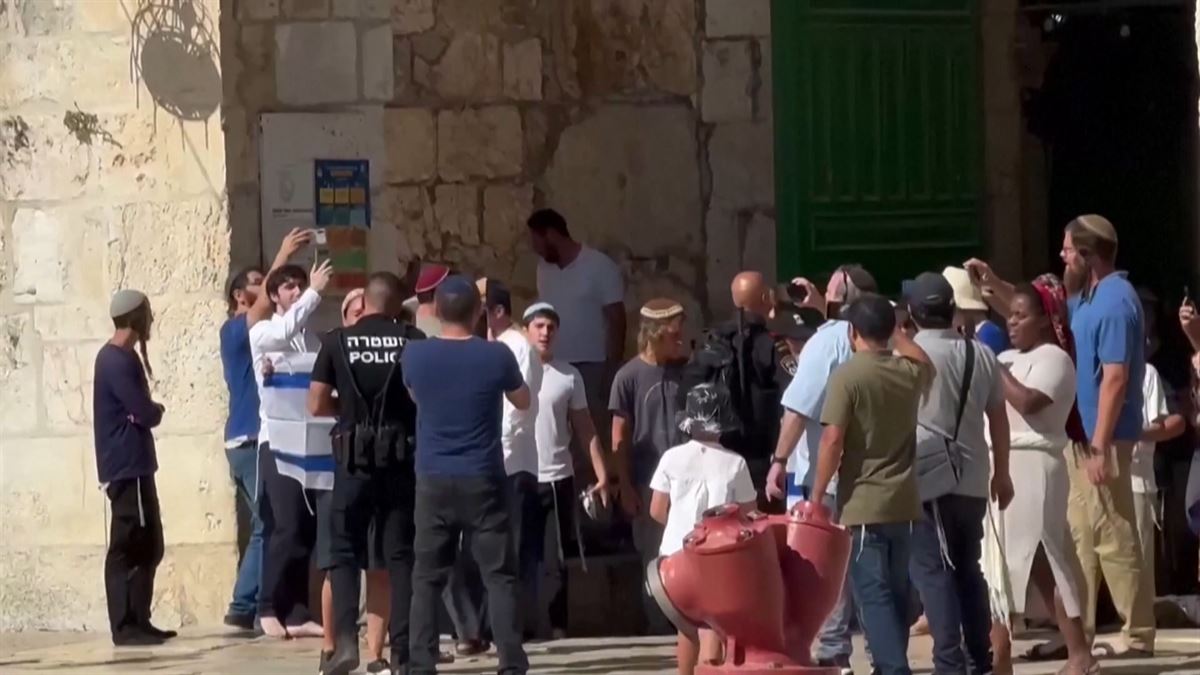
{"x":342,"y":192}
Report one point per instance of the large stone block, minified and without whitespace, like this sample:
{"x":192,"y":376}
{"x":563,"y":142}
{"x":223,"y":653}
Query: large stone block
{"x":741,"y":156}
{"x":119,"y":156}
{"x":49,"y":492}
{"x":479,"y":143}
{"x":254,"y":78}
{"x":183,"y":353}
{"x":630,"y":47}
{"x":72,"y":322}
{"x":67,"y":375}
{"x":316,"y":52}
{"x":410,"y":135}
{"x":198,"y":498}
{"x":259,"y":10}
{"x":378,"y":66}
{"x":412,"y":16}
{"x":52,"y":17}
{"x":723,"y":246}
{"x":194,"y":258}
{"x":61,"y":587}
{"x":58,"y":254}
{"x":88,"y":72}
{"x":759,"y":247}
{"x":409,"y":208}
{"x":505,"y":210}
{"x":456,"y":211}
{"x":728,"y":18}
{"x":470,"y":70}
{"x":728,"y":82}
{"x":627,"y":176}
{"x":241,"y":145}
{"x":39,"y":256}
{"x":19,"y":398}
{"x":306,"y":9}
{"x":523,"y":70}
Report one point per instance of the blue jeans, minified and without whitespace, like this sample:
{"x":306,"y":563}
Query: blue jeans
{"x":951,"y":583}
{"x":879,"y":579}
{"x":834,"y":640}
{"x":243,"y":466}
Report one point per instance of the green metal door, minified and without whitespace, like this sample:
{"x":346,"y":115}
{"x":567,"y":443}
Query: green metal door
{"x":877,"y":135}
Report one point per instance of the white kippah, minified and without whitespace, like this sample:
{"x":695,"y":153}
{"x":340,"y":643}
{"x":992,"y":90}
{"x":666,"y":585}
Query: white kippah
{"x":535,"y":308}
{"x":124,"y":302}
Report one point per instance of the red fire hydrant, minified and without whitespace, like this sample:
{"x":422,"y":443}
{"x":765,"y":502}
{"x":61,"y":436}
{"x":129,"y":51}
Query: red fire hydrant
{"x":765,"y":584}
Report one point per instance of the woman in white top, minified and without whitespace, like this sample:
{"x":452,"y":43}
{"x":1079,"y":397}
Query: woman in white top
{"x":1039,"y":386}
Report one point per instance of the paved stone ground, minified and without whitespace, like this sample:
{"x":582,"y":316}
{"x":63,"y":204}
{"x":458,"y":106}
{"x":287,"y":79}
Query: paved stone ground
{"x":199,"y":651}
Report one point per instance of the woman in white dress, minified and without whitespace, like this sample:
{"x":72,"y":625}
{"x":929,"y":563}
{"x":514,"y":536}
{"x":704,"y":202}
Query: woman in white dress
{"x":1039,"y":385}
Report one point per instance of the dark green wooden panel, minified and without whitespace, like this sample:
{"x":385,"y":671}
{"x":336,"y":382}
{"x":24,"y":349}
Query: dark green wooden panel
{"x":878,"y":135}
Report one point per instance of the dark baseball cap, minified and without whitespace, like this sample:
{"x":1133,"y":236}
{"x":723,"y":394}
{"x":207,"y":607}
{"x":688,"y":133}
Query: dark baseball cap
{"x":931,"y":293}
{"x":795,"y":323}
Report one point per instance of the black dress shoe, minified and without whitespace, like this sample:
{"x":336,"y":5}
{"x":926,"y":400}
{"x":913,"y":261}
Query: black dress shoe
{"x":135,"y":637}
{"x":158,"y":632}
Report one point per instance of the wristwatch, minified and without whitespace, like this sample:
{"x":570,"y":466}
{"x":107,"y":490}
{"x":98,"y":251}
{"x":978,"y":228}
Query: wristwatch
{"x":781,"y":461}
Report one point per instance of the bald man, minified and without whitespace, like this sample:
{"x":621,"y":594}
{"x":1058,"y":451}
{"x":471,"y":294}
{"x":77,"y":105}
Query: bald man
{"x":756,"y":378}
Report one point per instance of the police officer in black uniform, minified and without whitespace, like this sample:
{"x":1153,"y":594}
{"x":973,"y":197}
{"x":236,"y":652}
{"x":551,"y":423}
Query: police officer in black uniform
{"x":373,"y":453}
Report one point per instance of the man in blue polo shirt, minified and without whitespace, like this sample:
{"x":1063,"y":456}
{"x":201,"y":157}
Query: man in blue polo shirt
{"x":1106,"y":319}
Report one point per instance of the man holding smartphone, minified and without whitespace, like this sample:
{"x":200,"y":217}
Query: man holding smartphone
{"x":1107,"y":322}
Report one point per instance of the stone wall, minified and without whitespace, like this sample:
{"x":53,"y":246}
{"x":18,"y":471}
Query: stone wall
{"x":111,"y":175}
{"x":646,"y":122}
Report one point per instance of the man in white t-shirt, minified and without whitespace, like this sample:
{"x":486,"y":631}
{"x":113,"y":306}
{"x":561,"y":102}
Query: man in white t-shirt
{"x":586,"y":288}
{"x":517,"y":426}
{"x":562,"y":415}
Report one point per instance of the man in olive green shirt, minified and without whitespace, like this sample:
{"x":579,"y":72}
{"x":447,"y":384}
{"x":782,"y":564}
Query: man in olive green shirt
{"x":870,"y":419}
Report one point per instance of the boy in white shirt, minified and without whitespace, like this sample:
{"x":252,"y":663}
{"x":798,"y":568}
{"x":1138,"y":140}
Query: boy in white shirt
{"x":692,"y":478}
{"x":562,"y":416}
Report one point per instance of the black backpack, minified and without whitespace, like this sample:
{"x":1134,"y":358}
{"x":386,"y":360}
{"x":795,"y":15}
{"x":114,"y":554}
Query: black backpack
{"x":720,"y":358}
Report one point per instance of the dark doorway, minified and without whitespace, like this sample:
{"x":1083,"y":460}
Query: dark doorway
{"x":1117,"y":116}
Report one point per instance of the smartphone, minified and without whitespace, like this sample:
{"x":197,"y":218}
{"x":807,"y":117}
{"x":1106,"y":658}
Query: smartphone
{"x":320,"y":245}
{"x":1187,"y":297}
{"x":797,"y":292}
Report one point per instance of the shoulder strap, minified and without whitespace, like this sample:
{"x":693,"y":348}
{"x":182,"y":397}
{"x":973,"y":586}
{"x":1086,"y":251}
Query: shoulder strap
{"x":965,"y":391}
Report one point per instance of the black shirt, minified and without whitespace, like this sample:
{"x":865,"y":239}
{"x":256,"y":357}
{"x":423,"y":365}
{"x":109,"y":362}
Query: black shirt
{"x":368,"y":355}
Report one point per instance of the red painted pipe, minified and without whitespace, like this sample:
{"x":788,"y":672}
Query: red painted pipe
{"x":764,"y":583}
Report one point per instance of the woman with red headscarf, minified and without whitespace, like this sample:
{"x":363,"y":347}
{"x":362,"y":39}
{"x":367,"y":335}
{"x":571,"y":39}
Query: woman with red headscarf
{"x":1039,"y":386}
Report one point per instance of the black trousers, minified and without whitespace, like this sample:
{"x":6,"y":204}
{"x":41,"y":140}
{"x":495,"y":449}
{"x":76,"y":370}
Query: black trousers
{"x":358,"y":497}
{"x":945,"y":569}
{"x":522,"y":505}
{"x":135,"y":548}
{"x":447,"y":507}
{"x":547,"y":532}
{"x":289,"y":534}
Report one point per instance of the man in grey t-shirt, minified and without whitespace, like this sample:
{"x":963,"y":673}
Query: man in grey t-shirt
{"x":947,"y":542}
{"x":643,"y":405}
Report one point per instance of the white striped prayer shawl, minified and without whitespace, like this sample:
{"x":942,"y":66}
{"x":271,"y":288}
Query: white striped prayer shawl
{"x":299,"y":442}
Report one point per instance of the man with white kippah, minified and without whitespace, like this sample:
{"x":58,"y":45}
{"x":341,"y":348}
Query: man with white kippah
{"x":562,"y":415}
{"x":122,"y":418}
{"x":643,"y":405}
{"x":1108,"y":326}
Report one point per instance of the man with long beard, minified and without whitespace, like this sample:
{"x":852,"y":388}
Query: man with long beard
{"x":1107,"y":321}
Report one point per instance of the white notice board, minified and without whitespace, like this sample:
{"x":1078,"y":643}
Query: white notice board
{"x":288,"y":145}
